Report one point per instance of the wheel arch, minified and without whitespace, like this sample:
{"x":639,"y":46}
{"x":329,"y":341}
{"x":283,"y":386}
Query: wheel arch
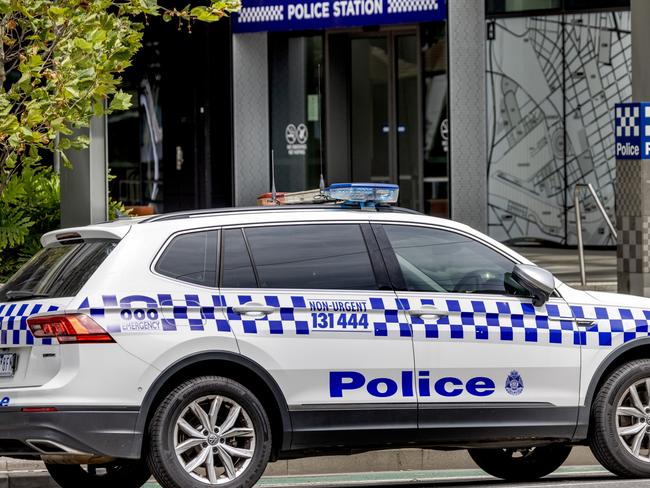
{"x":636,"y":349}
{"x":233,"y":366}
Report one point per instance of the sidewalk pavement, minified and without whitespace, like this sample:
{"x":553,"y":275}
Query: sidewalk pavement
{"x":387,"y":478}
{"x":398,"y":465}
{"x":600,"y":265}
{"x":381,"y":478}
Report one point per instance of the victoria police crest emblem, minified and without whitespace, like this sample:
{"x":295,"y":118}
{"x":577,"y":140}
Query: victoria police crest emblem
{"x":514,"y":383}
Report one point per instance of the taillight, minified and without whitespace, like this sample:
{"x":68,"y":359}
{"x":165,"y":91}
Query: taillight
{"x":68,"y":329}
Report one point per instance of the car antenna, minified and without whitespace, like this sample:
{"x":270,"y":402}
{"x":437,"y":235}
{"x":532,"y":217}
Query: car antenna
{"x":273,"y":191}
{"x":321,"y":184}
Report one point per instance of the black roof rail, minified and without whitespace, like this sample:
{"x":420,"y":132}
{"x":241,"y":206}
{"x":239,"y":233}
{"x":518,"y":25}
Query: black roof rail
{"x":233,"y":210}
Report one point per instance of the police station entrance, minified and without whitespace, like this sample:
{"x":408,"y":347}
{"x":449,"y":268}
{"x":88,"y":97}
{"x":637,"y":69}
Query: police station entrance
{"x":384,"y":125}
{"x":380,"y":105}
{"x":362,"y":95}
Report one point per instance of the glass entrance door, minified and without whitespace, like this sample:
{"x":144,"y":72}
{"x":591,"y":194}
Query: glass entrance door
{"x":385,"y":112}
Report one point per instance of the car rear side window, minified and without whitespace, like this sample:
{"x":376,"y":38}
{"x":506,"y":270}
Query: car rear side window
{"x":191,"y":258}
{"x":56,"y":272}
{"x":327,"y":256}
{"x":237,"y":268}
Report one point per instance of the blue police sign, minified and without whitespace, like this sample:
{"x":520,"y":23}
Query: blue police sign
{"x":632,"y":130}
{"x":285,"y":15}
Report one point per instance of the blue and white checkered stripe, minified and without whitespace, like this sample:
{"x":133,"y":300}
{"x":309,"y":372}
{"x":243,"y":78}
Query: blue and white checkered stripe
{"x":501,"y":321}
{"x":399,"y":6}
{"x":13,"y":323}
{"x":284,"y":322}
{"x":188,"y":311}
{"x":266,"y":13}
{"x":496,"y":321}
{"x":464,"y":319}
{"x":627,"y":122}
{"x":612,"y":325}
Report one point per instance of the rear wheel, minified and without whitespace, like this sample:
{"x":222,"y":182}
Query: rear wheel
{"x":521,"y":464}
{"x":209,"y":431}
{"x":117,"y":474}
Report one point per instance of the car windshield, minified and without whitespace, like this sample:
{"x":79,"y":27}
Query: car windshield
{"x":56,"y":272}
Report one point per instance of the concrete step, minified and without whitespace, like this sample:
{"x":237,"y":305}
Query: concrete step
{"x":397,"y":460}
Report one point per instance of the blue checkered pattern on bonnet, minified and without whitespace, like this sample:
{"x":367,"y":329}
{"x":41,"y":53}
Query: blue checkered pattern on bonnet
{"x":468,"y":319}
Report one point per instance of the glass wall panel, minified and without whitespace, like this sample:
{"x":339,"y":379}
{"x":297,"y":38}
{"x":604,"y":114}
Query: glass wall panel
{"x":598,"y":75}
{"x":296,"y":111}
{"x":525,"y":130}
{"x":135,"y":147}
{"x":369,"y":109}
{"x":507,"y":6}
{"x":496,"y":7}
{"x":595,"y":4}
{"x":435,"y":171}
{"x":408,"y":133}
{"x":552,"y":84}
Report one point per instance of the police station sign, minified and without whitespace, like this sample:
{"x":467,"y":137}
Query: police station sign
{"x":285,"y":15}
{"x":632,"y":130}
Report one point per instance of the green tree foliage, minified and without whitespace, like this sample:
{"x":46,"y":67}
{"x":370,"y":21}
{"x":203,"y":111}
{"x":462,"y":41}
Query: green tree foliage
{"x":30,"y":206}
{"x":60,"y":64}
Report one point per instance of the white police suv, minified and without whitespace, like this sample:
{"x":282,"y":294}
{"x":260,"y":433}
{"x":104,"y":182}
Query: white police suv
{"x":200,"y":346}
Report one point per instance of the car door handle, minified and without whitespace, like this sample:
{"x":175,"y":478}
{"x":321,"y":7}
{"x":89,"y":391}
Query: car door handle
{"x":253,"y":309}
{"x":427,"y":312}
{"x":585,"y":324}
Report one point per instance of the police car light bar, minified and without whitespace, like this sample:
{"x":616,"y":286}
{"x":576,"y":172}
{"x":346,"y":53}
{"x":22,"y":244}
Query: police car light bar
{"x":366,"y":194}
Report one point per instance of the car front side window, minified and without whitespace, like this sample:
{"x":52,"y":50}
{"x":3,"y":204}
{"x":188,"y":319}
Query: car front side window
{"x":435,"y":260}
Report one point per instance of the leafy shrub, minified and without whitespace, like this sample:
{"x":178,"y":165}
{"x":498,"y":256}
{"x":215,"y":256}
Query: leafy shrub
{"x":30,"y":206}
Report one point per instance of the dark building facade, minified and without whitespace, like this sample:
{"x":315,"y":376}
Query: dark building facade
{"x":503,"y":106}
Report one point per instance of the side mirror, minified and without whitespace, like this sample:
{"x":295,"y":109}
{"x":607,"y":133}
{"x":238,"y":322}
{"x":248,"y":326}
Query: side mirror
{"x":539,"y":282}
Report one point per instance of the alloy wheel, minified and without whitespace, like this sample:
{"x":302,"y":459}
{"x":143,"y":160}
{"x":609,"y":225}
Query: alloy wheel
{"x":633,"y":419}
{"x":214,"y":439}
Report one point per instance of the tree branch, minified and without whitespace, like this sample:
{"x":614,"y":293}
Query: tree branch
{"x":3,"y":27}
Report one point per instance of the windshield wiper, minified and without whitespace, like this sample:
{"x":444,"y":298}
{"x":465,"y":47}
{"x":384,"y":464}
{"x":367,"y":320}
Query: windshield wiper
{"x":13,"y":295}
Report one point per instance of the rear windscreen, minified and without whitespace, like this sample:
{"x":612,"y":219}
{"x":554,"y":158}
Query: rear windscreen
{"x":56,"y":272}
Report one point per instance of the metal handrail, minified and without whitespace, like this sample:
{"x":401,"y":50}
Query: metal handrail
{"x":576,"y":203}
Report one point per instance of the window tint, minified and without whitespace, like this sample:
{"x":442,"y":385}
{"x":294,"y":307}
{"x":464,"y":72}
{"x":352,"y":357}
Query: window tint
{"x":192,"y":258}
{"x":237,"y":269}
{"x":311,"y":257}
{"x":440,"y":261}
{"x":56,"y":272}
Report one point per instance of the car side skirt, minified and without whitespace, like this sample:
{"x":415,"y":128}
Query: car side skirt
{"x":448,"y":425}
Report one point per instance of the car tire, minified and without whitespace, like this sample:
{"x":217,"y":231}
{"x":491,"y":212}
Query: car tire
{"x":233,"y":452}
{"x":521,"y":464}
{"x":120,"y":473}
{"x":616,"y":452}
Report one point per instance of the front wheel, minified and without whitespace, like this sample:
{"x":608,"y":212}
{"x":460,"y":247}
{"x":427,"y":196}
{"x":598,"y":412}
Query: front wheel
{"x":620,"y":421}
{"x":120,"y":473}
{"x":209,"y":431}
{"x":521,"y":464}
